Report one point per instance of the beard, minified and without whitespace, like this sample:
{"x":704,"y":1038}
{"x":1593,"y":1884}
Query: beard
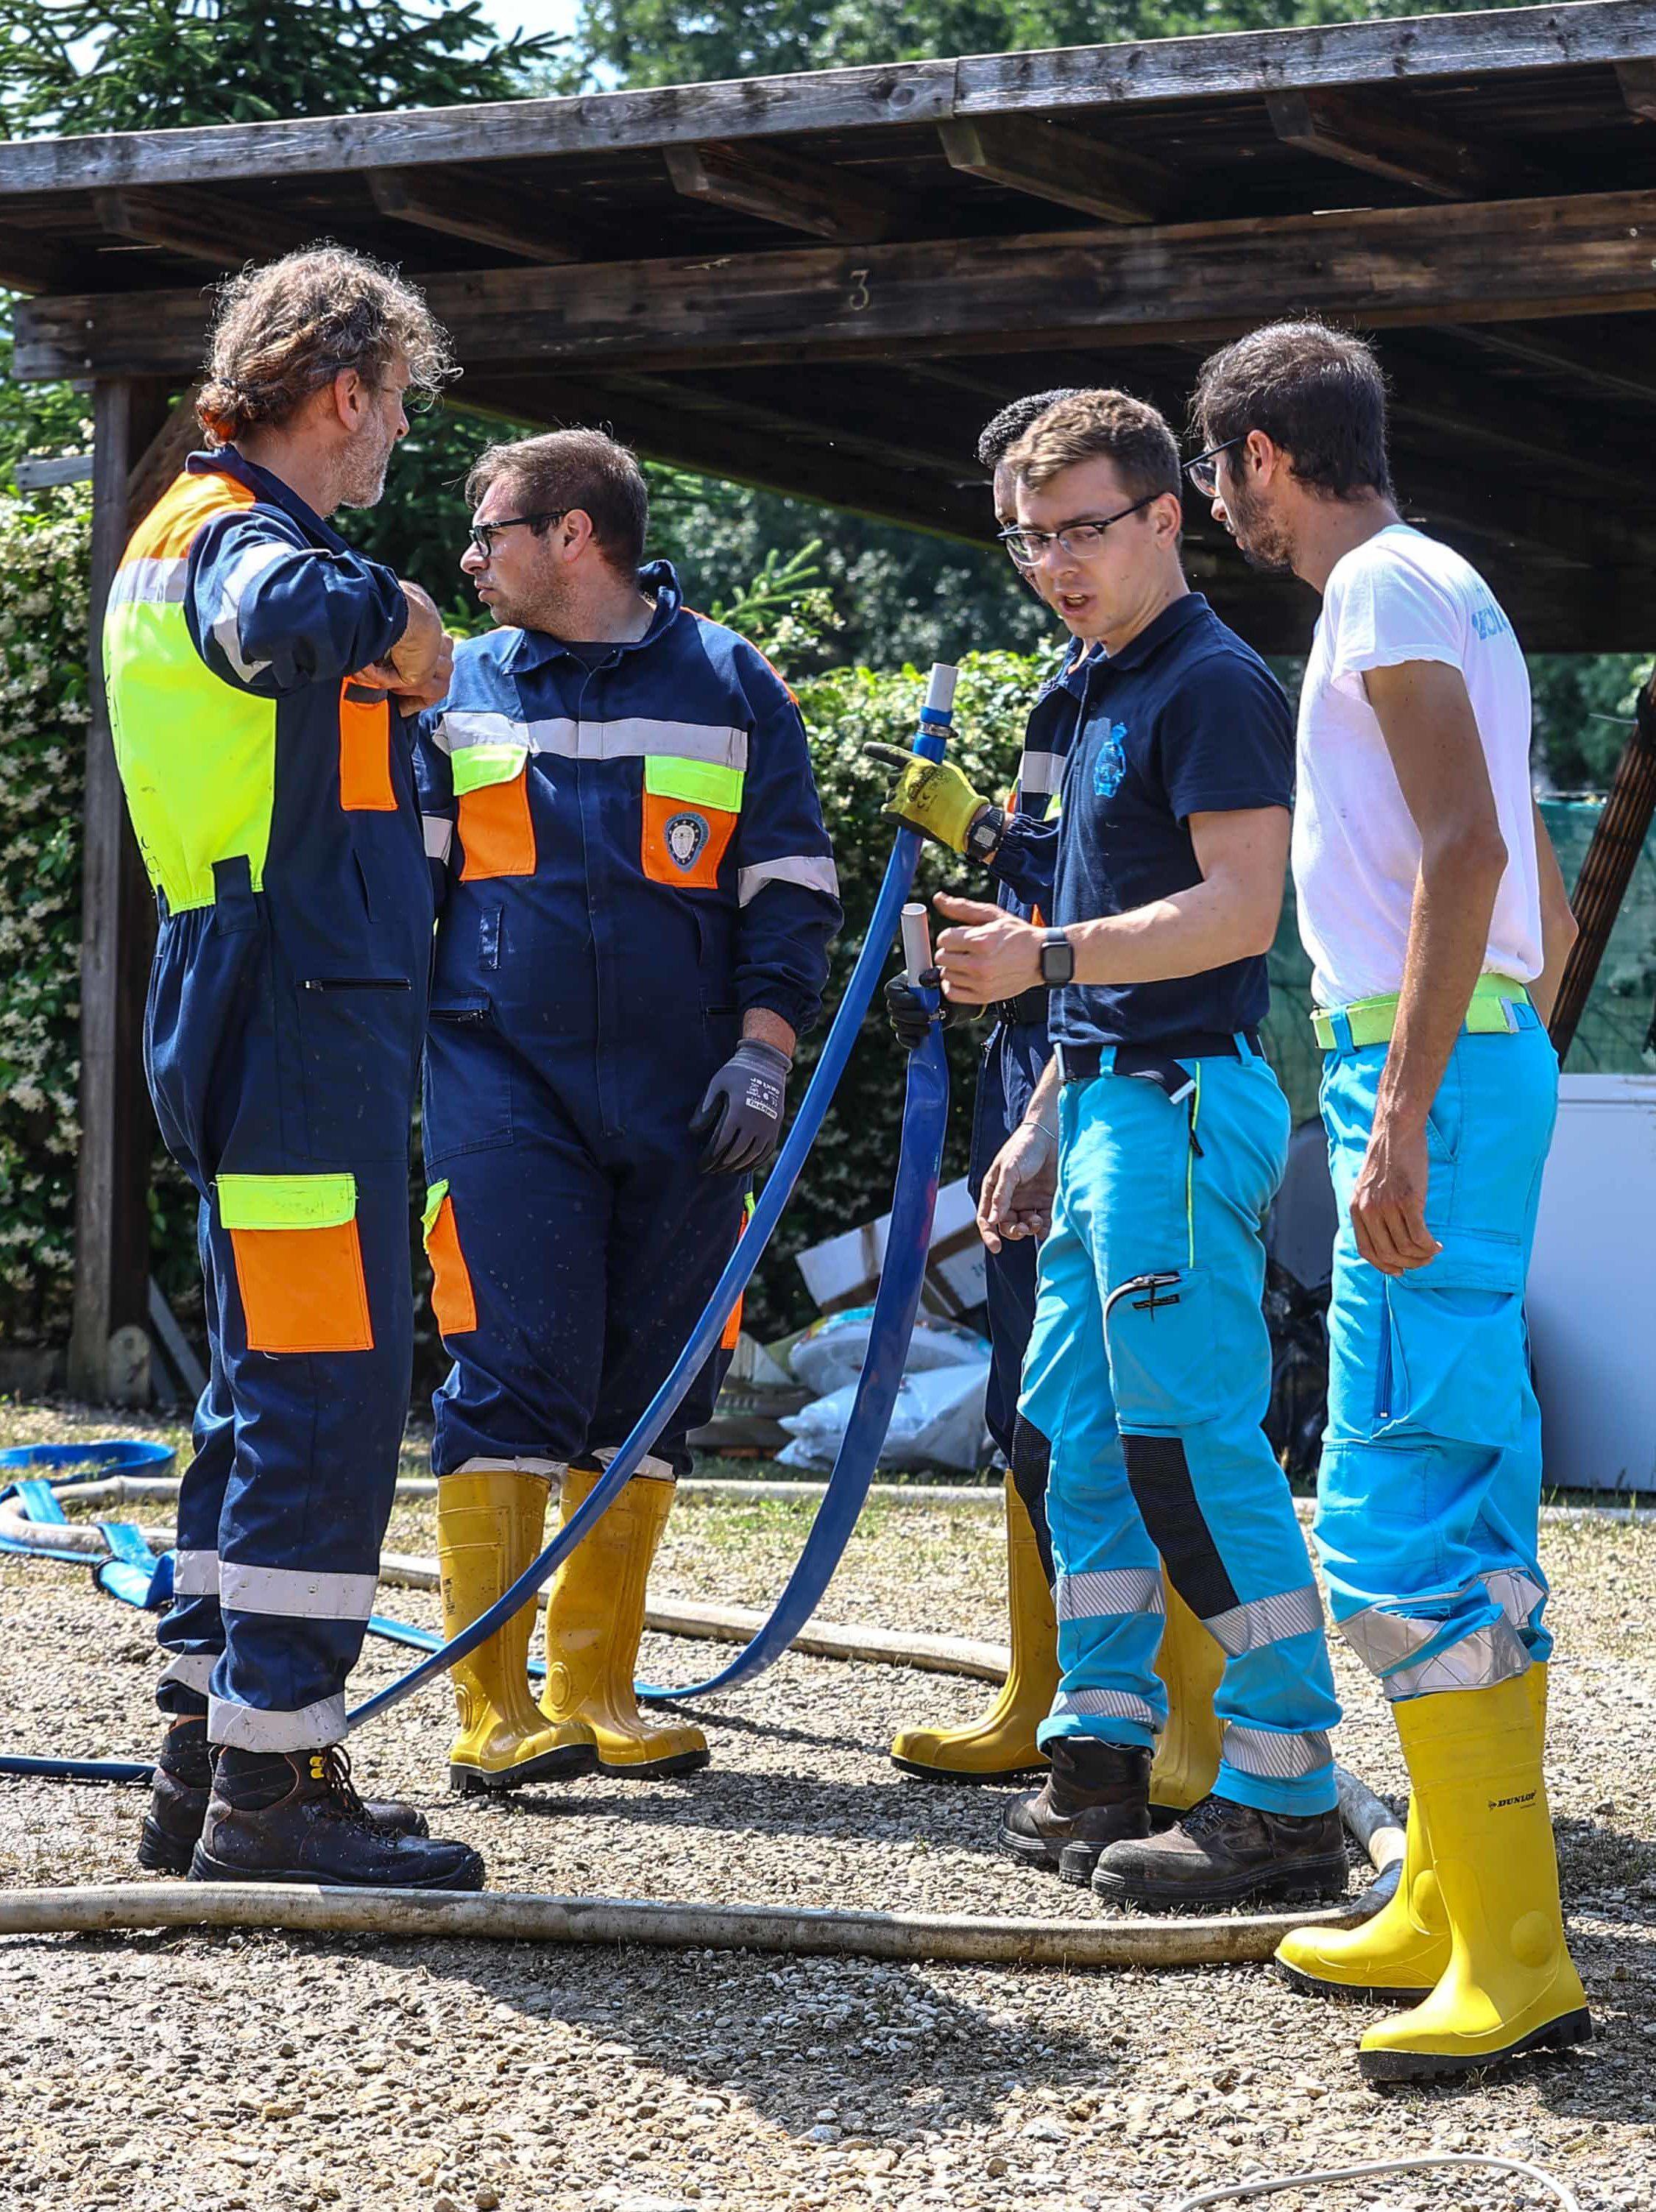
{"x":365,"y":463}
{"x":1260,"y":539}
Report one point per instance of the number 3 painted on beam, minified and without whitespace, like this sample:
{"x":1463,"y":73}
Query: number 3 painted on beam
{"x":858,"y":291}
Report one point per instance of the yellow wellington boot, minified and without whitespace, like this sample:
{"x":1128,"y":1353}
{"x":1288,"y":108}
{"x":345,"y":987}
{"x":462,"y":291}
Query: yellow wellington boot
{"x":594,"y":1621}
{"x":1191,"y":1665}
{"x":1510,"y":1986}
{"x":1403,"y":1950}
{"x":1001,"y":1743}
{"x":488,"y":1530}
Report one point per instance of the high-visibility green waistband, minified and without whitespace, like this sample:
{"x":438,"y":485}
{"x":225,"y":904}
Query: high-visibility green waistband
{"x":1371,"y":1021}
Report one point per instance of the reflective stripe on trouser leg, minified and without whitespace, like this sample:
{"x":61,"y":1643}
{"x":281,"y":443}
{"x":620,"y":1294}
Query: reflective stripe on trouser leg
{"x":1107,"y":1574}
{"x":191,"y":1632}
{"x":1428,"y":1503}
{"x":308,"y":1500}
{"x":1190,"y":1365}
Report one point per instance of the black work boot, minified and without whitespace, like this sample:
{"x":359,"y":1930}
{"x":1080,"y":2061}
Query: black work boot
{"x":1221,"y":1852}
{"x":183,"y":1783}
{"x":294,"y":1816}
{"x":1096,"y":1794}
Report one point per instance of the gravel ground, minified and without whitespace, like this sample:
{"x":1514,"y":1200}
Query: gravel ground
{"x":206,"y":2074}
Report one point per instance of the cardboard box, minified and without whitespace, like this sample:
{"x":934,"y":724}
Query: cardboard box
{"x":844,"y":1270}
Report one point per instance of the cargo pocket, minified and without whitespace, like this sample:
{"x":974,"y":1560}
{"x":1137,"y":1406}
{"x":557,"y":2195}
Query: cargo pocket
{"x":497,"y":836}
{"x":1452,"y":1348}
{"x":365,"y":784}
{"x":1166,"y":1362}
{"x":298,"y":1260}
{"x":691,"y":809}
{"x":467,"y":1099}
{"x":453,"y":1304}
{"x":361,"y":1050}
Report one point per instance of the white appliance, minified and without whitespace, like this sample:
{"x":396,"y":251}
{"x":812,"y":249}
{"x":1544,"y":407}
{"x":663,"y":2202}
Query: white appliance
{"x":1593,"y":1287}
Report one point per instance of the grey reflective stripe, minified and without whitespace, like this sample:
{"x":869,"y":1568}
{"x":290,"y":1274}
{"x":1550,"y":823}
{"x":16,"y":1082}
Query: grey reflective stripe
{"x":192,"y":1670}
{"x":1264,"y":1620}
{"x":1385,"y":1640}
{"x":250,"y":1728}
{"x":1516,"y":1593}
{"x":649,"y":1469}
{"x":813,"y":872}
{"x":1476,"y":1661}
{"x":631,"y":738}
{"x":1111,"y":1704}
{"x":1039,"y":773}
{"x":225,"y":624}
{"x":149,"y":583}
{"x":439,"y":835}
{"x":1283,"y":1758}
{"x":1106,"y":1591}
{"x":195,"y":1574}
{"x":295,"y":1593}
{"x":549,"y":1467}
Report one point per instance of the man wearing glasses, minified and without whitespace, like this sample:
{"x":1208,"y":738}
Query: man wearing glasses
{"x":636,"y":896}
{"x":1172,"y":1135}
{"x":1435,"y":917}
{"x":940,"y":802}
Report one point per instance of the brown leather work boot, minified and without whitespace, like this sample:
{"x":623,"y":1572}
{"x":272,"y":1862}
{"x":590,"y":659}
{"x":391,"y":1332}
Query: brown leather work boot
{"x":1096,"y":1794}
{"x":1221,"y":1853}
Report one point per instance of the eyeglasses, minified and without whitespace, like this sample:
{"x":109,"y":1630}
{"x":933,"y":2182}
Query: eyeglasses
{"x":482,"y":534}
{"x":1204,"y":471}
{"x":1080,"y":540}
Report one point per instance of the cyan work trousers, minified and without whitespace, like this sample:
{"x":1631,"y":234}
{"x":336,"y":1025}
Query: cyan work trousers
{"x":1429,"y":1498}
{"x":1148,"y":1187}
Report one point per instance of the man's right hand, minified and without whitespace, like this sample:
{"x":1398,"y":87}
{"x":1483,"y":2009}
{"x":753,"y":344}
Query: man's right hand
{"x":930,"y":796}
{"x":420,"y":666}
{"x":1019,"y":1187}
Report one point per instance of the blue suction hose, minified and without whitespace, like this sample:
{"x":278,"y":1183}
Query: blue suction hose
{"x":896,"y":1303}
{"x":929,"y":742}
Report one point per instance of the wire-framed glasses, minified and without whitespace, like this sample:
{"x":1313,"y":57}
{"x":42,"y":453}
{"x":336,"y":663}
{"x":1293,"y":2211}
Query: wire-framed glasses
{"x":1204,"y":471}
{"x":1081,"y":541}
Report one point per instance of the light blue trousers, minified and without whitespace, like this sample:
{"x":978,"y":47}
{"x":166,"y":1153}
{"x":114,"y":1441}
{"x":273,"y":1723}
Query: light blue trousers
{"x":1431,"y":1491}
{"x":1148,"y":1187}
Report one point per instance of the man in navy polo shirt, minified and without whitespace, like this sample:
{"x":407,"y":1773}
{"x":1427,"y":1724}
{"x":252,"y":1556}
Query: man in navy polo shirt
{"x":1172,"y":1134}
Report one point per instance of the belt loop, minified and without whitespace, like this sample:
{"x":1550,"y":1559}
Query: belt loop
{"x":233,"y":905}
{"x":1245,"y":1051}
{"x":1106,"y":1059}
{"x":1340,"y":1022}
{"x":1059,"y":1054}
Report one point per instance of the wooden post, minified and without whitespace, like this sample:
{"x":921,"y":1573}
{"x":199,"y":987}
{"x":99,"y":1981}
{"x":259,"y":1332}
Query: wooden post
{"x":118,"y":1129}
{"x":1607,"y":868}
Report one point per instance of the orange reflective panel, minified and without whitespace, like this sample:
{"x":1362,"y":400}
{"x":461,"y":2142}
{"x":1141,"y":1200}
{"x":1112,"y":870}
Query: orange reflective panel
{"x":303,"y":1290}
{"x":365,"y":784}
{"x":683,"y":844}
{"x":451,"y":1299}
{"x":496,"y":834}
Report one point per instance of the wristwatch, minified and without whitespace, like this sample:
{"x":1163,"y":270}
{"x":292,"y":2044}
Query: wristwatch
{"x":983,"y":838}
{"x":1057,"y":959}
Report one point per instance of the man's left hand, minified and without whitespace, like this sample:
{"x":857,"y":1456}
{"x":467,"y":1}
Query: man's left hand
{"x":995,"y":957}
{"x":1388,"y":1207}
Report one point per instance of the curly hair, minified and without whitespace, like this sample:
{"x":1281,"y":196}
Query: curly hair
{"x":1316,"y":392}
{"x":282,"y":331}
{"x":1002,"y":432}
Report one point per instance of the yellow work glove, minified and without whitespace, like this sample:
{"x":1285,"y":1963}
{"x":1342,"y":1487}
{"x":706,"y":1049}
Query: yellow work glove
{"x":930,"y":796}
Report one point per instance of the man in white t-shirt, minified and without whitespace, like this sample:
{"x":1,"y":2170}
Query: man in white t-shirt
{"x":1433,"y":909}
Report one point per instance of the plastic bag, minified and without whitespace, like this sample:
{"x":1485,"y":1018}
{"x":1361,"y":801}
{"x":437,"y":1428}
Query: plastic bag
{"x":936,"y":1422}
{"x":829,"y":1354}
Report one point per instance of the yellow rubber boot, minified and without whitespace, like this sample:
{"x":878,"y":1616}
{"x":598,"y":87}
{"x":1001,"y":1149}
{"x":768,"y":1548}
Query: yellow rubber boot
{"x":594,"y":1622}
{"x":1510,"y":1986}
{"x":1191,"y":1665}
{"x":1002,"y":1742}
{"x":488,"y":1530}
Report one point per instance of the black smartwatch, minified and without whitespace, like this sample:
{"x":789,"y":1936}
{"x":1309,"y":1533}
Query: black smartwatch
{"x":983,"y":838}
{"x":1057,"y":959}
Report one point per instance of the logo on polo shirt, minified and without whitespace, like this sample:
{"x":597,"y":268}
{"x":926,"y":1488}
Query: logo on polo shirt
{"x":1110,"y":761}
{"x":685,"y":835}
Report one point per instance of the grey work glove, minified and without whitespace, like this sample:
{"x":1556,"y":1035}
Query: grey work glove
{"x":741,"y":1109}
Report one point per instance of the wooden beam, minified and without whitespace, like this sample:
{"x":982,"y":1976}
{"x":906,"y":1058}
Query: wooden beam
{"x":1607,"y":869}
{"x":783,"y":188}
{"x":1380,"y":267}
{"x":1586,"y":533}
{"x":1502,"y":416}
{"x":1373,"y":134}
{"x":1491,"y":42}
{"x":1627,"y":368}
{"x":202,"y":226}
{"x":27,"y":263}
{"x":118,"y":1129}
{"x":1051,"y":163}
{"x":1638,"y":82}
{"x":481,"y":209}
{"x":164,"y":457}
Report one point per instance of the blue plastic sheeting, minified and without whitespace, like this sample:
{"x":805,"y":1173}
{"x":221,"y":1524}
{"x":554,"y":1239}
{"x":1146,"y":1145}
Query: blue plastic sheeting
{"x":902,"y":1274}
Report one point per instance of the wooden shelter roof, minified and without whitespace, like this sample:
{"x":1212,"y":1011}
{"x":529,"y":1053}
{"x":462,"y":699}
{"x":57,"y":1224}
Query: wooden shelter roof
{"x":825,"y":283}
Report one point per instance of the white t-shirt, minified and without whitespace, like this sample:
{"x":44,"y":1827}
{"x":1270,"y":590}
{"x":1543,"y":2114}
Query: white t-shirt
{"x":1402,"y":596}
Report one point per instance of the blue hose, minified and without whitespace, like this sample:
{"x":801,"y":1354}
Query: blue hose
{"x":902,"y":1274}
{"x":738,"y":1268}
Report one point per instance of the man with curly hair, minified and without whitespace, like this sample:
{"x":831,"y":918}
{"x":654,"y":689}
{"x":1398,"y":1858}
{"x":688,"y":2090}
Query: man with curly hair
{"x":257,"y":671}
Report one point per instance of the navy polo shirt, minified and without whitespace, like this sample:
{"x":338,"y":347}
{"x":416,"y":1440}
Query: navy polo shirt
{"x":1184,"y":719}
